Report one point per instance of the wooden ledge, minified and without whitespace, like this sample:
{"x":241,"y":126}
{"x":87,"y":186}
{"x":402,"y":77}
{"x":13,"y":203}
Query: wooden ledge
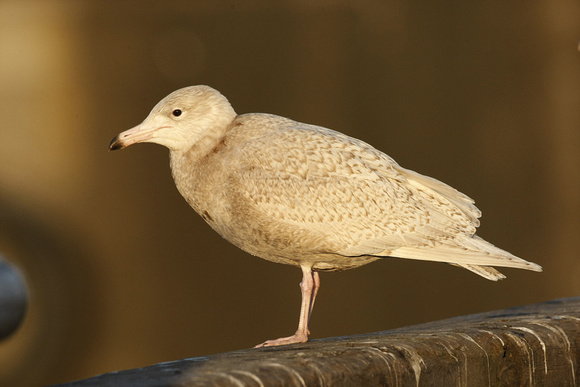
{"x":537,"y":345}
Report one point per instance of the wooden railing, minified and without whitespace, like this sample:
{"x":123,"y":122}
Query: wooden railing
{"x":534,"y":345}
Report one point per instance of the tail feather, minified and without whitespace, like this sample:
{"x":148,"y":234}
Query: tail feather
{"x":485,"y":271}
{"x":468,"y":253}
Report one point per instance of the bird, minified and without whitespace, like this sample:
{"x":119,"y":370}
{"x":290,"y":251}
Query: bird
{"x":308,"y":196}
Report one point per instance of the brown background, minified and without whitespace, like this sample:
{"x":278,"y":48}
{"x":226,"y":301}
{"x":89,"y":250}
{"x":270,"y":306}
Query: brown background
{"x":124,"y":274}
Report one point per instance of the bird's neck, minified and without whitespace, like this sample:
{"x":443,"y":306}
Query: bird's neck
{"x":189,"y":166}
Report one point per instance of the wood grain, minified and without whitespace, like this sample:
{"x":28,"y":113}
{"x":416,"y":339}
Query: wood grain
{"x":534,"y":345}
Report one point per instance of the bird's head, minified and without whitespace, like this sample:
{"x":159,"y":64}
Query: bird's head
{"x":180,"y":119}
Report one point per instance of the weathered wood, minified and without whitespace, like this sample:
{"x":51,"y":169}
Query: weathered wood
{"x":534,"y":345}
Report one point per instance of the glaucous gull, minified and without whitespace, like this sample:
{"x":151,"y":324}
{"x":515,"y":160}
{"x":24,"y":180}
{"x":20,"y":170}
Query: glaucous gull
{"x":309,"y":196}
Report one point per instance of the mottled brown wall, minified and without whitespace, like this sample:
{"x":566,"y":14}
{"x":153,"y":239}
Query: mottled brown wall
{"x":123,"y":274}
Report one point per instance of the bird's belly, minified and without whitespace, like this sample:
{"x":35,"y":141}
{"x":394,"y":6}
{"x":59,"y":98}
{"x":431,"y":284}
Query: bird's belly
{"x":321,"y":262}
{"x":285,"y":245}
{"x":271,"y":238}
{"x":337,"y":262}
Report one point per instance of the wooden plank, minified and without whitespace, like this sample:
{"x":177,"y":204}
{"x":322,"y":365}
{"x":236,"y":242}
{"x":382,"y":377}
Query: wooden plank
{"x":537,"y":345}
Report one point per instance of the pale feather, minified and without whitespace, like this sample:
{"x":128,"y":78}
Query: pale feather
{"x":360,"y":198}
{"x":305,"y":195}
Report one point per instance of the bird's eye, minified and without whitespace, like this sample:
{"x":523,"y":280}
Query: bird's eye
{"x":176,"y":112}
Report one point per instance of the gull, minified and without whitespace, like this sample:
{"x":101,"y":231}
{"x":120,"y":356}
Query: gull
{"x":308,"y":196}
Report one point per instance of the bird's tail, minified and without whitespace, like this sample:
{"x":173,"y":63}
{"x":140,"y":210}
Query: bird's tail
{"x":471,"y":253}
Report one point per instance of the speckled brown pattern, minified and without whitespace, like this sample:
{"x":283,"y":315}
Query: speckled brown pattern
{"x":305,"y":195}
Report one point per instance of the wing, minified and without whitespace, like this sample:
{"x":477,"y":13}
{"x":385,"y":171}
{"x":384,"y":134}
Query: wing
{"x":356,"y":201}
{"x":320,"y":180}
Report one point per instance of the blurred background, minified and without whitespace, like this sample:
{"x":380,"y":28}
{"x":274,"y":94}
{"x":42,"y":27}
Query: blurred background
{"x":121,"y":273}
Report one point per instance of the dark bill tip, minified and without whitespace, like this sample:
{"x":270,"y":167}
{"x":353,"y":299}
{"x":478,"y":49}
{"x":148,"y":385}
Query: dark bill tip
{"x":115,"y":144}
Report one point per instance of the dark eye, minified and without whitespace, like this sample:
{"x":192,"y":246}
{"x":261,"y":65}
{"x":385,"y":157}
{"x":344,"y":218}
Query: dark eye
{"x":176,"y":112}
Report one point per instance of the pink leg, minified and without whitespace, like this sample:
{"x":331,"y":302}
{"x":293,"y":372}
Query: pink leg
{"x":309,"y":288}
{"x":316,"y":286}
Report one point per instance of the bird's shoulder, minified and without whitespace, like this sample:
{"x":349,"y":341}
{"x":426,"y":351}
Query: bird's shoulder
{"x":271,"y":144}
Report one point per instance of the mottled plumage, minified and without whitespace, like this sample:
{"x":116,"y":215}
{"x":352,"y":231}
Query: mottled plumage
{"x":305,"y":195}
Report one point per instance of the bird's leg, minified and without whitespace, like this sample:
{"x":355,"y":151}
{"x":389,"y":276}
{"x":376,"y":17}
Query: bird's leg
{"x":316,"y":286}
{"x":309,"y":288}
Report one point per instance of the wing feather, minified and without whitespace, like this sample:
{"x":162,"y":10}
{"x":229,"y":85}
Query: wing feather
{"x":363,"y":202}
